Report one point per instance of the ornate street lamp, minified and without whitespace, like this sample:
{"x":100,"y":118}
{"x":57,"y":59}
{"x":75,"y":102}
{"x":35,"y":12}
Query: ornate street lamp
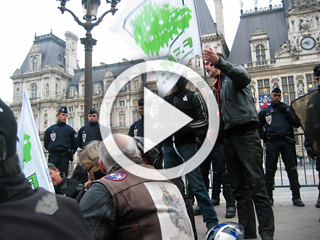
{"x":90,"y":8}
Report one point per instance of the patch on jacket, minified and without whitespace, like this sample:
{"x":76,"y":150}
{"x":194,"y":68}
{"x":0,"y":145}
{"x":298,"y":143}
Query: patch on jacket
{"x":47,"y":204}
{"x":117,"y":176}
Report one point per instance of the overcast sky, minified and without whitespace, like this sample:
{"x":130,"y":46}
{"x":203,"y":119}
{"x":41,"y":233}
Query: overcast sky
{"x":20,"y":20}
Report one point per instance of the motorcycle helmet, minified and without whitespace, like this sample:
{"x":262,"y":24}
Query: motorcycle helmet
{"x":226,"y":231}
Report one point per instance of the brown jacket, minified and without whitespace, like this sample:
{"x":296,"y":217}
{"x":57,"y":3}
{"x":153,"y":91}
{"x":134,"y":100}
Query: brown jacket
{"x":146,"y":209}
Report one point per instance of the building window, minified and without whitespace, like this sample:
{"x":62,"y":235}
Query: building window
{"x":96,"y":106}
{"x":35,"y":63}
{"x":135,"y":102}
{"x":111,"y":120}
{"x":71,"y":109}
{"x":122,"y":103}
{"x":57,"y":89}
{"x":83,"y":90}
{"x":45,"y":120}
{"x":109,"y":84}
{"x":288,"y":93}
{"x":82,"y":107}
{"x":311,"y":82}
{"x":72,"y":91}
{"x":34,"y":90}
{"x":135,"y":116}
{"x":122,"y":120}
{"x":136,"y":84}
{"x":71,"y":122}
{"x":263,"y":86}
{"x":82,"y":121}
{"x":260,"y":53}
{"x":96,"y":89}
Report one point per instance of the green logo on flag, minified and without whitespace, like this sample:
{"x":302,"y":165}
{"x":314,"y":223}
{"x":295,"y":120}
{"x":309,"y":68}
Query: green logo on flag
{"x":26,"y":149}
{"x":157,"y":24}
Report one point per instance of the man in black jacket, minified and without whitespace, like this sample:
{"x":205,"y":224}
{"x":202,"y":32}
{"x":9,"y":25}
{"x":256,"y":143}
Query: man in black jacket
{"x":181,"y":146}
{"x":47,"y":213}
{"x":86,"y":134}
{"x":276,"y":128}
{"x":242,"y":147}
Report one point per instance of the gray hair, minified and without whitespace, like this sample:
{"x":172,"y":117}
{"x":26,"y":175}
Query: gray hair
{"x":126,"y":146}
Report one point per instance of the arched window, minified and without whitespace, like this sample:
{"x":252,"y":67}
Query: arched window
{"x":34,"y":91}
{"x":260,"y":53}
{"x":35,"y":63}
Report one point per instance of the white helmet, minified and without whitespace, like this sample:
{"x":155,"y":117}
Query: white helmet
{"x":226,"y":231}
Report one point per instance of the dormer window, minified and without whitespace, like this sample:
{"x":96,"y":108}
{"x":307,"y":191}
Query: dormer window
{"x":34,"y":63}
{"x":72,"y":91}
{"x":34,"y":91}
{"x":260,"y":52}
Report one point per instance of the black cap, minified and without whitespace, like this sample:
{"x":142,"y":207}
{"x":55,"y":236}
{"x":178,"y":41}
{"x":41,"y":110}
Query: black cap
{"x":276,"y":90}
{"x":8,"y":129}
{"x":93,"y":111}
{"x":316,"y":70}
{"x":141,"y":102}
{"x":63,"y":109}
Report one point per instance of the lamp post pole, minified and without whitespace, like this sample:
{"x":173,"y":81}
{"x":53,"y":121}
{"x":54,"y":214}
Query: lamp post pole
{"x":91,"y":7}
{"x":88,"y":43}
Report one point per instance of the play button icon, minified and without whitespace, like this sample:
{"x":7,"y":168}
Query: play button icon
{"x":158,"y":126}
{"x":161,"y":120}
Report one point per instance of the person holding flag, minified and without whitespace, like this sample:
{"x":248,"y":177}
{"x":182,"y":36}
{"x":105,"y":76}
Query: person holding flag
{"x":242,"y":146}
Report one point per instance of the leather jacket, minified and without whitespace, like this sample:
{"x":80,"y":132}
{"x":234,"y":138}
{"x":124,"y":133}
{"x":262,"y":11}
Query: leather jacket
{"x":236,"y":100}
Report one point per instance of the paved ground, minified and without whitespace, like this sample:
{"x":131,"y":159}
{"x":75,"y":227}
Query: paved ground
{"x":291,"y":223}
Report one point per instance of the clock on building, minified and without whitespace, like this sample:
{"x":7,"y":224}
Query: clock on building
{"x":308,"y":43}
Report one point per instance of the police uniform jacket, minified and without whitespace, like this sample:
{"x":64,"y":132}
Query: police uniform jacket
{"x":236,"y":100}
{"x":124,"y":206}
{"x":88,"y":133}
{"x":38,"y":214}
{"x":277,"y":122}
{"x":136,"y":129}
{"x":192,"y":104}
{"x":60,"y":137}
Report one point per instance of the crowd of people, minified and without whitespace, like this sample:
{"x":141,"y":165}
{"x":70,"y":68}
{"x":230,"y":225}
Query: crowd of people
{"x":106,"y":201}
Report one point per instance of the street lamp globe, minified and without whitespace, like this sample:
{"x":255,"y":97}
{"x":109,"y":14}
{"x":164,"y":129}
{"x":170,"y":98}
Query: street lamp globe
{"x":90,"y":9}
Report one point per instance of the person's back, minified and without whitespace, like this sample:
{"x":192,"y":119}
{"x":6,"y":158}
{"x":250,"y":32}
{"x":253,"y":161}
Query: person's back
{"x":26,"y":213}
{"x":122,"y":205}
{"x":38,"y":214}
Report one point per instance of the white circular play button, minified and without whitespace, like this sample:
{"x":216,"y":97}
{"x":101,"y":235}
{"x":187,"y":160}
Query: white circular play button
{"x":161,"y":126}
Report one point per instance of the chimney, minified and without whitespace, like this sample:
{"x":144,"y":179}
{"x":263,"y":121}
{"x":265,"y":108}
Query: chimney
{"x":219,"y":16}
{"x":71,"y":52}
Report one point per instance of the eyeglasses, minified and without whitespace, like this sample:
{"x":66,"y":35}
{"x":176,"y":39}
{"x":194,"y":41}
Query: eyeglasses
{"x":88,"y":169}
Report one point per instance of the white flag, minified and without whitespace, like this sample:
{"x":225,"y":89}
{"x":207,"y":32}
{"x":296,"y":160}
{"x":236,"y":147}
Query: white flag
{"x":32,"y":160}
{"x":161,"y":30}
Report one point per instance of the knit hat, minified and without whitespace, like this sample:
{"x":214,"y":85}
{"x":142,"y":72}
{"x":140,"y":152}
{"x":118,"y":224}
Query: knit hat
{"x":8,"y":132}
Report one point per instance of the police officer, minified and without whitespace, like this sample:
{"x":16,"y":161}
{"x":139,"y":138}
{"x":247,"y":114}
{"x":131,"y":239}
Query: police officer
{"x":61,"y":141}
{"x":136,"y":129}
{"x":91,"y":131}
{"x":276,"y":127}
{"x":154,"y":156}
